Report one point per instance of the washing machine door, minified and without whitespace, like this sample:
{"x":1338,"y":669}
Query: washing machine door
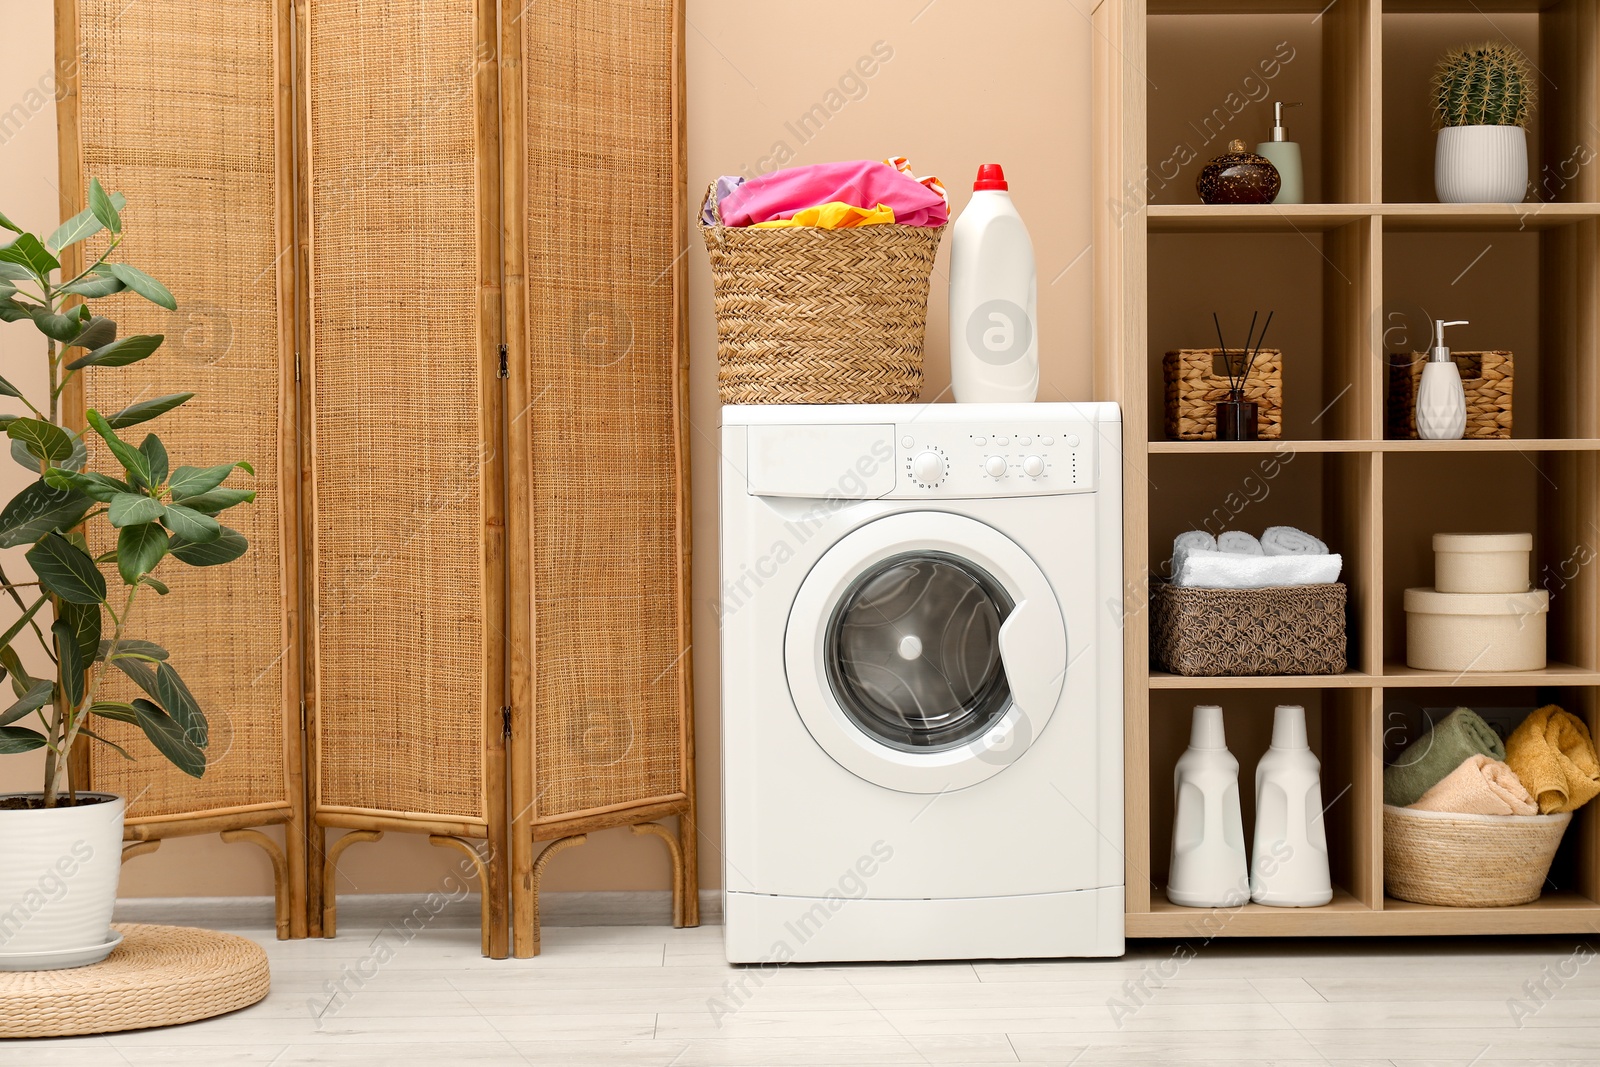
{"x":925,"y":651}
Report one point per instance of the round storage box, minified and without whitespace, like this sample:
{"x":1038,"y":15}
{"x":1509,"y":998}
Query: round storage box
{"x":1468,"y":861}
{"x":1475,"y":631}
{"x":1481,"y":563}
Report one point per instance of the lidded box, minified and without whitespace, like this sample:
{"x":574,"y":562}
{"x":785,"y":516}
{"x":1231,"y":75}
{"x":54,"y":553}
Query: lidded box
{"x":1476,"y":631}
{"x":1481,"y":563}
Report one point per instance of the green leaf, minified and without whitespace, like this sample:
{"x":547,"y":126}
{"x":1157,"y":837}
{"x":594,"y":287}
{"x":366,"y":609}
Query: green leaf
{"x":191,"y":525}
{"x":12,"y":311}
{"x":93,"y":287}
{"x":104,"y":207}
{"x":120,"y":353}
{"x":139,"y":282}
{"x":115,"y":710}
{"x":86,"y":732}
{"x":188,"y":482}
{"x":7,"y":290}
{"x":169,"y":738}
{"x":26,"y":251}
{"x":61,"y":328}
{"x":14,"y":739}
{"x":21,"y":680}
{"x":8,"y":224}
{"x":66,"y":570}
{"x":133,"y":461}
{"x":7,"y":389}
{"x":82,"y":225}
{"x":129,"y":647}
{"x":225,"y":549}
{"x":219,"y":500}
{"x":84,"y":622}
{"x":155,"y":453}
{"x":16,"y":627}
{"x":43,"y":440}
{"x":35,"y":698}
{"x":39,"y":509}
{"x":15,"y":273}
{"x":139,"y":549}
{"x":155,"y":583}
{"x":146,"y":410}
{"x":101,"y":331}
{"x":132,"y":509}
{"x":181,"y":704}
{"x":94,"y":486}
{"x":71,"y":663}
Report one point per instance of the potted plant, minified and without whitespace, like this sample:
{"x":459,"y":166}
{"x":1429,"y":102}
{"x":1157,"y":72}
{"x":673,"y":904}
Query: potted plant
{"x":1482,"y":98}
{"x":62,"y":847}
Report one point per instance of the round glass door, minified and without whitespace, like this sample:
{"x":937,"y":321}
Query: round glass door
{"x":913,"y":651}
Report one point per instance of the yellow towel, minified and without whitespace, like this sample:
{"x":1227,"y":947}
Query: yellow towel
{"x":1554,"y":756}
{"x":1480,"y":786}
{"x":835,"y":215}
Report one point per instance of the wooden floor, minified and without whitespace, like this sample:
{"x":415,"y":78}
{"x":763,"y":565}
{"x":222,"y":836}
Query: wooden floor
{"x":652,"y":995}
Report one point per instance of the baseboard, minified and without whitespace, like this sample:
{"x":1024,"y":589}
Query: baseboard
{"x":644,"y":908}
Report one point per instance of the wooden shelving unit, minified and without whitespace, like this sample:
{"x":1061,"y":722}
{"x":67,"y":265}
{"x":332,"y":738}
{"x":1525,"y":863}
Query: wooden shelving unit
{"x":1352,"y":275}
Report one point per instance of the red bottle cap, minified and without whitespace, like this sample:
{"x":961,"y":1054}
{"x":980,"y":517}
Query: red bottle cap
{"x":990,"y":176}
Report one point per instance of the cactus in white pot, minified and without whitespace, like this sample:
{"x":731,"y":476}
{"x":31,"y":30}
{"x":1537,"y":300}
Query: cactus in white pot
{"x":1483,"y":96}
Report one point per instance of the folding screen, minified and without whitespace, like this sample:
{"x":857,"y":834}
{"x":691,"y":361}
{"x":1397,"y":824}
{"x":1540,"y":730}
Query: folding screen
{"x":182,"y":105}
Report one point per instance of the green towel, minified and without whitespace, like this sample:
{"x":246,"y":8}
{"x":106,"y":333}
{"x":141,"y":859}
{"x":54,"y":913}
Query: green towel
{"x":1460,"y":735}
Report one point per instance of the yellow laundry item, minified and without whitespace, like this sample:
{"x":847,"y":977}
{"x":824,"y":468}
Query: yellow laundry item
{"x":1554,"y":757}
{"x":836,"y":215}
{"x":1480,"y":786}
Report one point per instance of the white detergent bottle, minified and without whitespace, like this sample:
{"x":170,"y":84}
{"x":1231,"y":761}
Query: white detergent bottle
{"x":1208,"y":867}
{"x":1290,"y":863}
{"x":994,"y":299}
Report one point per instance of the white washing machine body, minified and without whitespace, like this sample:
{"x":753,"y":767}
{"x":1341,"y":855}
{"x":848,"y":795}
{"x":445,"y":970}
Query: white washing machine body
{"x":921,"y":624}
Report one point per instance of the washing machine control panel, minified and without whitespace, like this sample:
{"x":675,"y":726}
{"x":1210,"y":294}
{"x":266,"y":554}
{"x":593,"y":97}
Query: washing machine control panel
{"x":958,"y":460}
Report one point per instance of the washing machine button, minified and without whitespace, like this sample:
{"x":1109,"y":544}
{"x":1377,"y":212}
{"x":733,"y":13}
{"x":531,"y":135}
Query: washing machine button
{"x":1002,"y":439}
{"x":1046,"y":440}
{"x":928,"y":468}
{"x":908,"y":441}
{"x":1024,"y":439}
{"x":1072,"y":440}
{"x":1033,"y":466}
{"x":995,"y":466}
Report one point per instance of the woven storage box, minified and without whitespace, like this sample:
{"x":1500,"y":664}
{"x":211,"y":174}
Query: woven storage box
{"x":1468,"y":861}
{"x":1230,"y":632}
{"x":813,"y":316}
{"x":1196,"y":379}
{"x":1486,"y":377}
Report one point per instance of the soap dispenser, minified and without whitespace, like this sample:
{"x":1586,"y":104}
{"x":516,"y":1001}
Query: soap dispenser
{"x":1441,"y":401}
{"x":1208,"y":868}
{"x":1285,"y":155}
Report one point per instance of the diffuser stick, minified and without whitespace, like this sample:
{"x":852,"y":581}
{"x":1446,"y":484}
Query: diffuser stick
{"x":1227,"y":364}
{"x":1248,"y":367}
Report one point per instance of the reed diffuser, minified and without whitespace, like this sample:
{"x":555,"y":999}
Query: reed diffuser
{"x":1237,"y":418}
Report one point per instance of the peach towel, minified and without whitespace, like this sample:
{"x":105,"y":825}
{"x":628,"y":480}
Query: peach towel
{"x":1554,"y":756}
{"x":1480,"y":786}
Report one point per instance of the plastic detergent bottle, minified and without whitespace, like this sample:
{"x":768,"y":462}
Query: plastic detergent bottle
{"x":1208,"y":867}
{"x":994,"y":298}
{"x":1289,"y":867}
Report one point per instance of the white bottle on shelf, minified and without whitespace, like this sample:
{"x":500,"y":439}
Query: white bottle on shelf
{"x":1289,"y":867}
{"x":1441,"y":400}
{"x":994,"y":299}
{"x":1208,"y":867}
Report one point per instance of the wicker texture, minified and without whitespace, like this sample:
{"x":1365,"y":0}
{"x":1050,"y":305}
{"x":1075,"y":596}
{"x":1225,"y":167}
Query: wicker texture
{"x":400,"y":559}
{"x":1231,"y":632}
{"x":1196,"y":380}
{"x":1468,"y":861}
{"x":606,"y":660}
{"x":178,"y":113}
{"x":812,"y":316}
{"x":158,"y":976}
{"x":1486,"y":377}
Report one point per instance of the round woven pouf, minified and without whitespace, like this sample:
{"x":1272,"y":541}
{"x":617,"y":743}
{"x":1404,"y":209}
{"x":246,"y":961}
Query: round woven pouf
{"x":158,"y":976}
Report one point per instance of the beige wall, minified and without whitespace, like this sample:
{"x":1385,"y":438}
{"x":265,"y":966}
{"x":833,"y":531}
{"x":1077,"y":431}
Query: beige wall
{"x":965,"y":83}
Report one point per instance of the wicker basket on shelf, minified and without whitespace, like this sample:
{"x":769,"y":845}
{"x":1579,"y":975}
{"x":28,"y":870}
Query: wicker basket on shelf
{"x":1196,"y":378}
{"x":1485,"y":376}
{"x":814,"y":316}
{"x":1468,"y":861}
{"x":1233,"y":632}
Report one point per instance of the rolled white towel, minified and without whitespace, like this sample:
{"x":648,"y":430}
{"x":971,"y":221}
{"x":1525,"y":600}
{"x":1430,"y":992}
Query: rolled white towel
{"x":1187,"y":542}
{"x":1225,"y":570}
{"x":1239,"y":543}
{"x":1288,"y":541}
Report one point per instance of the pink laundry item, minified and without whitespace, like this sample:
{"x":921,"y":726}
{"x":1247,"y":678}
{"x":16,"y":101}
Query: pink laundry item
{"x":903,"y":165}
{"x":834,"y":216}
{"x":1479,"y":786}
{"x":863,"y":183}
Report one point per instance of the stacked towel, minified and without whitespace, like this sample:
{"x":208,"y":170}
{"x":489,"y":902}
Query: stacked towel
{"x":1480,"y":786}
{"x":1427,"y":760}
{"x":1288,"y":541}
{"x":1239,"y":543}
{"x":1187,"y":542}
{"x":1227,"y":570}
{"x":1554,"y":756}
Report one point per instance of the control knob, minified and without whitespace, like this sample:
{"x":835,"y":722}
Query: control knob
{"x":928,"y":468}
{"x":1033,"y":466}
{"x":995,"y":466}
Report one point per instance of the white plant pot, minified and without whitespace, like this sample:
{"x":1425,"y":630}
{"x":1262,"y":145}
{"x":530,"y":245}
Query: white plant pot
{"x":58,"y":884}
{"x":1481,"y":165}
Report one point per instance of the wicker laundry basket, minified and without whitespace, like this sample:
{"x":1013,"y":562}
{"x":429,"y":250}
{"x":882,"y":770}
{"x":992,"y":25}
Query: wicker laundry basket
{"x":1196,"y":379}
{"x":813,"y":316}
{"x":1233,"y":632}
{"x":1485,"y":376}
{"x":1468,"y":861}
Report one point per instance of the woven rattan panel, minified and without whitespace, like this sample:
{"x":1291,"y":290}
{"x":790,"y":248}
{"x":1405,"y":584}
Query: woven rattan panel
{"x":177,"y":111}
{"x":398,"y":515}
{"x":600,"y":151}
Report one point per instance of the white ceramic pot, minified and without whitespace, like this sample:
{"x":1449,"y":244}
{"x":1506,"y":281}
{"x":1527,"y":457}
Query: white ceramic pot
{"x":58,"y":884}
{"x":1481,"y":165}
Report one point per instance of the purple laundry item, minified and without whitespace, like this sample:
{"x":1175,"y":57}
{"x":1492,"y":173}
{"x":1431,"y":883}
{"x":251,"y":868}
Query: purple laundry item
{"x":725,"y":185}
{"x":861,"y":183}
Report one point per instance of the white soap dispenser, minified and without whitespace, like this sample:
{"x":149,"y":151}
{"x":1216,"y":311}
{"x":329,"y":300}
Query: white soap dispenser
{"x":1284,"y":155}
{"x":1441,"y":401}
{"x":1208,"y":868}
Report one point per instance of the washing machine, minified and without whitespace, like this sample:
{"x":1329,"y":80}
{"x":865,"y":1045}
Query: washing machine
{"x":920,"y":617}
